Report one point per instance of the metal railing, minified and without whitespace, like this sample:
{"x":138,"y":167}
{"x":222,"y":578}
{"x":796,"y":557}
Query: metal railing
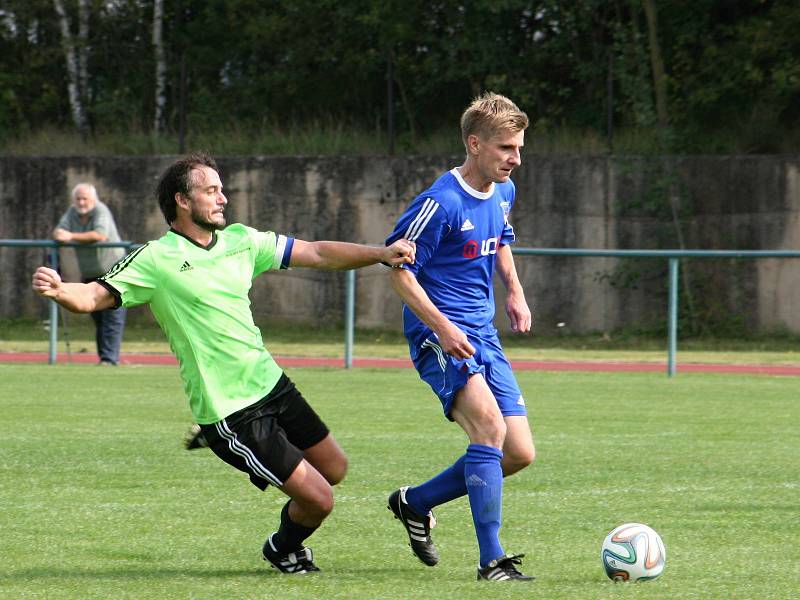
{"x":53,"y":263}
{"x":673,"y":256}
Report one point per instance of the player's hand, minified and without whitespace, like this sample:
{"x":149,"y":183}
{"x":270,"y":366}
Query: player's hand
{"x":46,"y":282}
{"x":518,"y":313}
{"x":401,"y":252}
{"x":455,"y":343}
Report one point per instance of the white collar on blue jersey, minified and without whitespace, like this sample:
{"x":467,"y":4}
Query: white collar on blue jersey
{"x":469,"y":189}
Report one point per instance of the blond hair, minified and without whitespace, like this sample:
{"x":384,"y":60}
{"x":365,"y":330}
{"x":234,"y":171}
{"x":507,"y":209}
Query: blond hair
{"x":489,"y":114}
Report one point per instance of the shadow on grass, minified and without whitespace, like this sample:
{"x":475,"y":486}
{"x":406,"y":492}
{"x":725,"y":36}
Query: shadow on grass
{"x":120,"y":573}
{"x":132,"y":573}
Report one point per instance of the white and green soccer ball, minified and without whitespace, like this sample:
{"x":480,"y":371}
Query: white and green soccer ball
{"x":633,"y":552}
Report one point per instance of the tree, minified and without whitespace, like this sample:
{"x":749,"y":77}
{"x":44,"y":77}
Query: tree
{"x":657,"y":64}
{"x":722,"y":75}
{"x":161,"y":67}
{"x":75,"y":55}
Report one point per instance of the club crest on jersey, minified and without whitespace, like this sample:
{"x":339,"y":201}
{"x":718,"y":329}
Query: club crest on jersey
{"x":506,"y":207}
{"x":473,"y":249}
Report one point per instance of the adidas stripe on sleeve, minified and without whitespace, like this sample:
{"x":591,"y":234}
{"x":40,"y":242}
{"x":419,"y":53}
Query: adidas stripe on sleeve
{"x":132,"y":279}
{"x":424,"y":223}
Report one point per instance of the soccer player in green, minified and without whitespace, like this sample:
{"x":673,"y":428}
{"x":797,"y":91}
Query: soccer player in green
{"x":196,"y":279}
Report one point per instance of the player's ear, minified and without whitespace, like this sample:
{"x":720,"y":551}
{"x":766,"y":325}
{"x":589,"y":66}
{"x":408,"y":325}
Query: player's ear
{"x":473,"y":143}
{"x":181,"y":201}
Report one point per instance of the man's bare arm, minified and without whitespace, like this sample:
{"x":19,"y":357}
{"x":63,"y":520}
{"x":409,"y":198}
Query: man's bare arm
{"x":344,"y":255}
{"x":451,"y":338}
{"x":75,"y":297}
{"x":81,"y":237}
{"x":516,"y":306}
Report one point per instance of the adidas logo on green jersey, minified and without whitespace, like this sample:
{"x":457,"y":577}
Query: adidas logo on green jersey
{"x":186,"y":266}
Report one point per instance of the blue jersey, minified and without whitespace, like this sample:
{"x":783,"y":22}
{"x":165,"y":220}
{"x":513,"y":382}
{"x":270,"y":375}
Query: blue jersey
{"x":458,"y":231}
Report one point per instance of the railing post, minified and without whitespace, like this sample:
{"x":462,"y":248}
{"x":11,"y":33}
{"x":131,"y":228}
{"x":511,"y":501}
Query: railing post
{"x":672,"y":323}
{"x":53,"y":346}
{"x":349,"y":317}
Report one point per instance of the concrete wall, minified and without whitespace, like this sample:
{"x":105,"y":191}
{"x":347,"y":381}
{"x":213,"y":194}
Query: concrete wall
{"x":584,"y":202}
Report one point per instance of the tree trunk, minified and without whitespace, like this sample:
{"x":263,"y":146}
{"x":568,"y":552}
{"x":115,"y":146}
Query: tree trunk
{"x":657,"y":64}
{"x":406,"y":103}
{"x":660,"y":92}
{"x":83,"y":49}
{"x":161,"y":67}
{"x":73,"y":69}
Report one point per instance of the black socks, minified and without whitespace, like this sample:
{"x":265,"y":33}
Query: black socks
{"x":290,"y":535}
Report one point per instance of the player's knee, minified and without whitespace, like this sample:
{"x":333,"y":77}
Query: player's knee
{"x":517,"y":459}
{"x":320,"y":505}
{"x":484,"y":424}
{"x":336,"y":472}
{"x":491,"y":432}
{"x":525,"y":457}
{"x":326,"y":505}
{"x":498,"y":430}
{"x":490,"y":436}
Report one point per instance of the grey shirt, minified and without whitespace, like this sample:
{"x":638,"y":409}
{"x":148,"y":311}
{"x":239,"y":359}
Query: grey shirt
{"x":92,"y":261}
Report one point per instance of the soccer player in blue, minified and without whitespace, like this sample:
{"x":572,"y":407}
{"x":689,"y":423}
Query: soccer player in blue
{"x":461,"y":229}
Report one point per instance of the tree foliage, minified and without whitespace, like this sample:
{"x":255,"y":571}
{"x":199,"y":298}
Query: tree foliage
{"x":730,"y":72}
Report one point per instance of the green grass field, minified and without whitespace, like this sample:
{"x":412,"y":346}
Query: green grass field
{"x":99,"y":500}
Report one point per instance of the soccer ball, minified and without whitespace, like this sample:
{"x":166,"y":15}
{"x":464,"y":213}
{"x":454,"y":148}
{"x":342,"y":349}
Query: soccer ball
{"x":633,"y":552}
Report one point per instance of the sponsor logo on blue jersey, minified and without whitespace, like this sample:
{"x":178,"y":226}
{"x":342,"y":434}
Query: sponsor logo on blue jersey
{"x":473,"y":248}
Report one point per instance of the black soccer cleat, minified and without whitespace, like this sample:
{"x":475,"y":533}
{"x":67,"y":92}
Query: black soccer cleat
{"x":194,"y":438}
{"x":503,"y":569}
{"x":417,"y":527}
{"x":296,"y":563}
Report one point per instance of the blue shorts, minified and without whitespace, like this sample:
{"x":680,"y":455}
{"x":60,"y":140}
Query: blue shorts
{"x":446,"y":374}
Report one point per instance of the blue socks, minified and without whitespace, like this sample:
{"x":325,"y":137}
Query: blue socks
{"x":483,"y":474}
{"x":478,"y":473}
{"x":447,"y":485}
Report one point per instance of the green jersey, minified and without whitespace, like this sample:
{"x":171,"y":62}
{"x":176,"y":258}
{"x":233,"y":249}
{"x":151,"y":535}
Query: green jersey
{"x":199,"y":296}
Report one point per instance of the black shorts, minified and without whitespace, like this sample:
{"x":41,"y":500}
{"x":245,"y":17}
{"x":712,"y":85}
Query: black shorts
{"x":266,"y":439}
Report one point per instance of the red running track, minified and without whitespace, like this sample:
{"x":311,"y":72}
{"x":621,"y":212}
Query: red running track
{"x":395,"y":363}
